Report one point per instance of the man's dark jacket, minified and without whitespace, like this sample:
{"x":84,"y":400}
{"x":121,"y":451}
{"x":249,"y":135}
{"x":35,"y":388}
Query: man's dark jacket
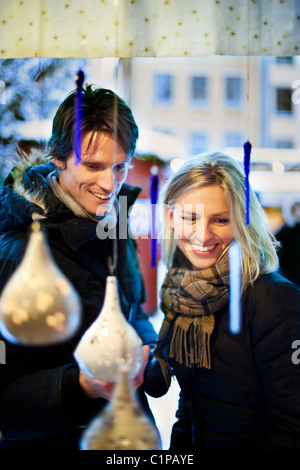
{"x":41,"y":402}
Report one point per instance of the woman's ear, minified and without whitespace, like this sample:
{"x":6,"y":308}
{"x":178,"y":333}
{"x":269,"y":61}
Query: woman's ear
{"x":170,"y":216}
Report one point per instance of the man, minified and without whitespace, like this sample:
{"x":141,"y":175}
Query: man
{"x":45,"y":400}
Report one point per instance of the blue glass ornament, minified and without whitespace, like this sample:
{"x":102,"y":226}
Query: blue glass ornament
{"x":154,"y":181}
{"x":247,"y":153}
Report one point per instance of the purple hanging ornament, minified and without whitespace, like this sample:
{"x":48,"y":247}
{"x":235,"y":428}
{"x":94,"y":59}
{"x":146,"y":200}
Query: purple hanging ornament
{"x":247,"y":153}
{"x":78,"y":111}
{"x":153,"y":198}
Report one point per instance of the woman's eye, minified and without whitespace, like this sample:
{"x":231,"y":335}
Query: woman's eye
{"x":222,"y":221}
{"x":189,"y":220}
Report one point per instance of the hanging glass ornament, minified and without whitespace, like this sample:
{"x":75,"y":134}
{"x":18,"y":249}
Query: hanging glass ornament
{"x":235,"y":280}
{"x":79,"y":79}
{"x":154,"y":183}
{"x":110,"y":341}
{"x":39,"y":306}
{"x":247,"y":154}
{"x":122,"y":424}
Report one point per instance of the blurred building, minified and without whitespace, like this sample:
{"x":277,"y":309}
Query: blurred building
{"x":207,"y":102}
{"x":218,"y":102}
{"x":212,"y":103}
{"x":280,"y":110}
{"x":188,"y":105}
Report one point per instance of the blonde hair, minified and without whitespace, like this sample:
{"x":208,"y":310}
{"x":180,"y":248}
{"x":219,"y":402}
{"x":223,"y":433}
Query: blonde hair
{"x":257,"y":242}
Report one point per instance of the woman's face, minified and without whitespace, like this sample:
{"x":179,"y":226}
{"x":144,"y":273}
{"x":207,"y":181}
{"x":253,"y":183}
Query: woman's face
{"x":202,"y":226}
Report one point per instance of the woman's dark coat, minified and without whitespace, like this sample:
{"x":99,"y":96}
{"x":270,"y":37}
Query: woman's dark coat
{"x":250,"y":398}
{"x":41,"y":402}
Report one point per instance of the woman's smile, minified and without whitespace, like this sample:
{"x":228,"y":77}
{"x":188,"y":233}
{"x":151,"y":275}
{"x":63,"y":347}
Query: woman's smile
{"x":201,"y":249}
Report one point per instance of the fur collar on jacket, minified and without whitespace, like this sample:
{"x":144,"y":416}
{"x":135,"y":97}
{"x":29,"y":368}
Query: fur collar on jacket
{"x":15,"y":180}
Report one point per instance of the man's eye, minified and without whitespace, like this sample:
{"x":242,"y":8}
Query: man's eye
{"x":92,"y":166}
{"x":121,"y":167}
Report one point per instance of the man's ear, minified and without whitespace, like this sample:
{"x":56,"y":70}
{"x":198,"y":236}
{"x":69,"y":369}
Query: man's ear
{"x":58,"y":163}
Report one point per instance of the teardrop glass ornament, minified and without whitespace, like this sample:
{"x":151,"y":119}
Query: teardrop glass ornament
{"x":122,"y":424}
{"x":110,"y":341}
{"x":39,"y":305}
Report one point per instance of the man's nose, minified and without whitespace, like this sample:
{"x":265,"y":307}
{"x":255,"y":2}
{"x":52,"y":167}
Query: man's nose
{"x":106,"y":180}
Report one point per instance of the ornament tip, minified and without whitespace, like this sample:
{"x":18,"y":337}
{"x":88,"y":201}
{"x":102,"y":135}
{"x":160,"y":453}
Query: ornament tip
{"x":35,"y":226}
{"x":79,"y":78}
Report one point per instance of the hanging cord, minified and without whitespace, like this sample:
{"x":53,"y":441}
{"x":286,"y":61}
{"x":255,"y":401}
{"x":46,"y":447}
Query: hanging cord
{"x":247,"y":144}
{"x":113,"y":258}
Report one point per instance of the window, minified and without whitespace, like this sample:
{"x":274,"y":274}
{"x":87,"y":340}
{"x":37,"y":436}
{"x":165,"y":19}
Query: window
{"x":198,"y":143}
{"x":284,"y":100}
{"x":163,"y":88}
{"x":288,"y":60}
{"x":284,"y":144}
{"x":199,"y":90}
{"x":234,"y":139}
{"x":234,"y":89}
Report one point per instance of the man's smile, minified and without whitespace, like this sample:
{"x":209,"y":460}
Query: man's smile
{"x":104,"y":197}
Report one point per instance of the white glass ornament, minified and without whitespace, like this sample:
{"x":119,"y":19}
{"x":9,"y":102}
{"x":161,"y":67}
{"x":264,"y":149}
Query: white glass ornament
{"x":39,"y":306}
{"x":110,"y":341}
{"x":235,"y":279}
{"x":122,"y":424}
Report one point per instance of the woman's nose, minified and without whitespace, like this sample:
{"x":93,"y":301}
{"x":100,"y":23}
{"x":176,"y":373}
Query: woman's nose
{"x":203,"y":231}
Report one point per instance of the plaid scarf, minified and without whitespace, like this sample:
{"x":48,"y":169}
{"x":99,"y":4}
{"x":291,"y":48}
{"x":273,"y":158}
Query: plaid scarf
{"x":189,"y":300}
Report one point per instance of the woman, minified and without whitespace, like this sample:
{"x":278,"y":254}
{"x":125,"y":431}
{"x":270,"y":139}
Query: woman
{"x":237,"y":390}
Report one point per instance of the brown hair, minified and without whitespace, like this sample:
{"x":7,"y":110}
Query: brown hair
{"x":101,"y":111}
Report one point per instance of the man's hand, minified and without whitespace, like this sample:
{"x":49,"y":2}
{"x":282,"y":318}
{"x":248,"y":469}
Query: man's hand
{"x":94,"y":388}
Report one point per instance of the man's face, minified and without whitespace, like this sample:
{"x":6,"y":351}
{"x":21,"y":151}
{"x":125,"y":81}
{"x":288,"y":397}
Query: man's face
{"x":96,"y":180}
